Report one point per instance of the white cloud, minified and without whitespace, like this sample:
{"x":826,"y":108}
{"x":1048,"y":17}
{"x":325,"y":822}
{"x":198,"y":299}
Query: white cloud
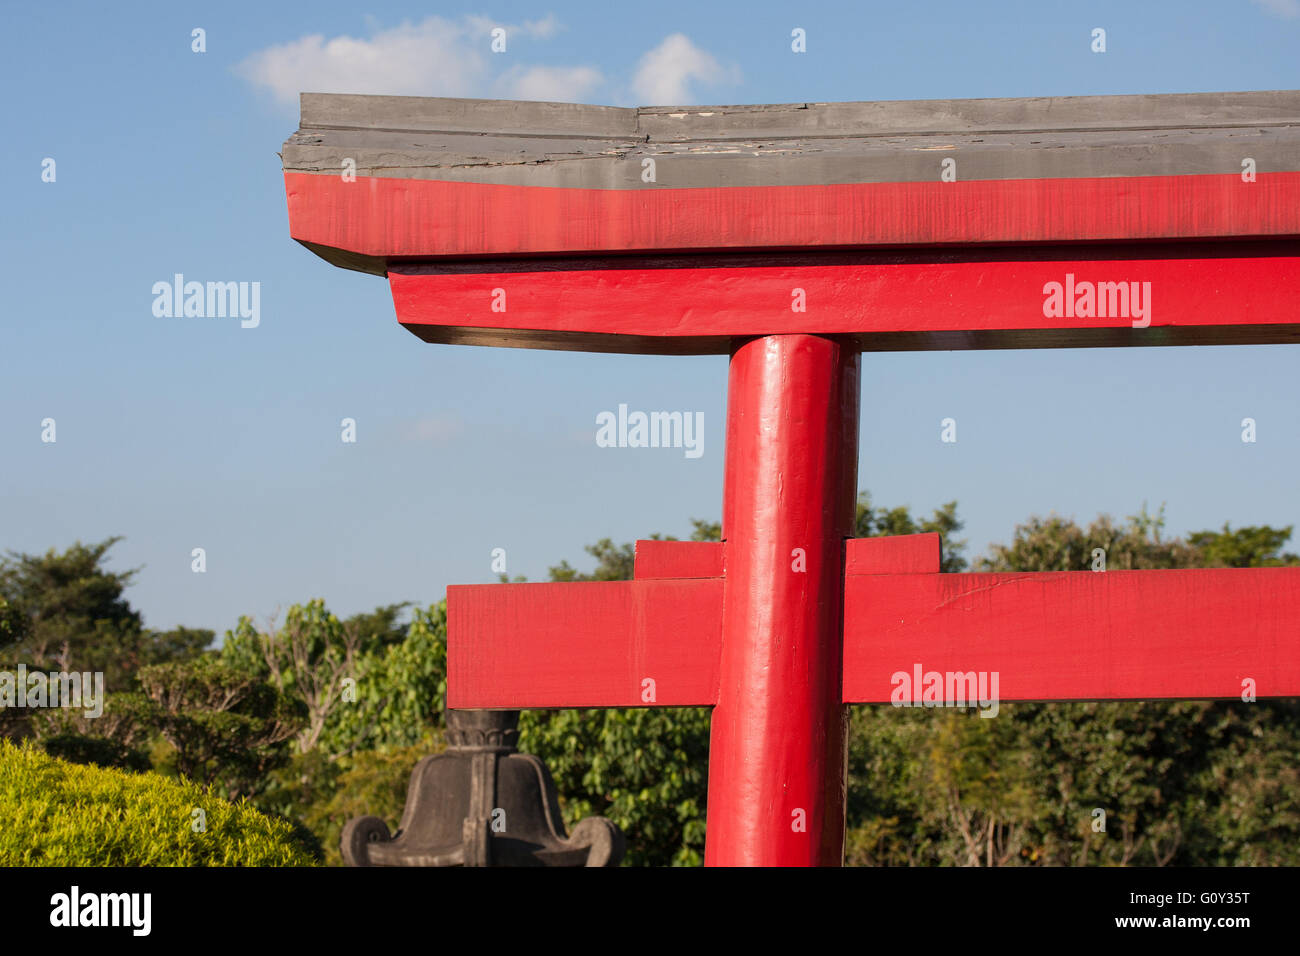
{"x":555,"y":84}
{"x":436,"y":57}
{"x":541,"y":29}
{"x":1288,"y":9}
{"x":665,"y":74}
{"x":445,"y":57}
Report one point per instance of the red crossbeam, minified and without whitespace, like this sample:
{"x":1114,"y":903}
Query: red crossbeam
{"x":1027,"y":299}
{"x":1080,"y":635}
{"x":583,"y":644}
{"x":422,"y":218}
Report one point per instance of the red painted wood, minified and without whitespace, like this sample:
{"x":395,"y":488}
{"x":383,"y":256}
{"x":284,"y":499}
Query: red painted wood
{"x":583,"y":644}
{"x":423,"y":218}
{"x":1113,"y":635}
{"x":893,"y":554}
{"x":678,"y":559}
{"x":920,"y":304}
{"x":1051,"y":636}
{"x":778,"y":731}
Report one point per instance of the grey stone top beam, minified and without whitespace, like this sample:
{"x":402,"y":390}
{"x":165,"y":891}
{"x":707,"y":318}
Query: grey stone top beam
{"x":570,"y":145}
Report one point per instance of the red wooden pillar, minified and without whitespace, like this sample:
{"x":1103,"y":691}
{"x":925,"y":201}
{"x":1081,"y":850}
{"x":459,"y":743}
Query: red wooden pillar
{"x":778,"y":735}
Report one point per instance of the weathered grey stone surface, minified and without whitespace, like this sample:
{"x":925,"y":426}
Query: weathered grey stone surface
{"x":481,"y":803}
{"x":601,"y":147}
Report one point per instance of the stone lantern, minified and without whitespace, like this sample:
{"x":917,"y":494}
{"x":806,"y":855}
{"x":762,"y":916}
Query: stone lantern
{"x":481,"y":803}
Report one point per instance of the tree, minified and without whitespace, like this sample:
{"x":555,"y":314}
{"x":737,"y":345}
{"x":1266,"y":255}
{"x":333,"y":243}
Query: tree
{"x":1059,"y":544}
{"x":72,"y":611}
{"x":308,"y":659}
{"x":401,"y":691}
{"x":646,"y":769}
{"x":178,"y":644}
{"x":118,"y":737}
{"x":68,"y":612}
{"x":365,"y":747}
{"x":371,"y":783}
{"x":1250,"y":547}
{"x":227,"y":725}
{"x":1175,"y":783}
{"x":382,"y":627}
{"x":11,"y":623}
{"x":879,"y":522}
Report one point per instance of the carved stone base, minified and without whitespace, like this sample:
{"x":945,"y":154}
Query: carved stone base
{"x":481,"y":803}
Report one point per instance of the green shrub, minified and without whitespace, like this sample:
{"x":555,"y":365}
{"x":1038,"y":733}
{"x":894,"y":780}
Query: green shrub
{"x":54,"y":813}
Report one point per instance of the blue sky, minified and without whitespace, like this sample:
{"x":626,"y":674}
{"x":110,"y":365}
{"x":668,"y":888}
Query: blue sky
{"x":185,"y":433}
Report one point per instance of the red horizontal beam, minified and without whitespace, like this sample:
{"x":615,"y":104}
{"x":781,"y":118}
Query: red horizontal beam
{"x":679,"y":559}
{"x":893,"y":554}
{"x":584,"y":644}
{"x":1113,"y":635}
{"x":421,"y":218}
{"x":1201,"y":296}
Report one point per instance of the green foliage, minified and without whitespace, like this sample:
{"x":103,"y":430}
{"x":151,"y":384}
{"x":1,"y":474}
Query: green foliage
{"x":1058,"y":544}
{"x":321,"y":793}
{"x":54,"y":590}
{"x":706,"y":530}
{"x":401,"y":690}
{"x":399,"y":672}
{"x":371,"y":783}
{"x":362,"y":758}
{"x":1180,"y":783}
{"x":54,"y":813}
{"x":878,"y":522}
{"x":645,"y":769}
{"x":308,"y":660}
{"x":1251,"y":547}
{"x":613,"y":563}
{"x":118,"y":737}
{"x":68,"y":611}
{"x":178,"y":644}
{"x":10,"y":623}
{"x":227,"y":725}
{"x":95,"y":749}
{"x":381,"y":627}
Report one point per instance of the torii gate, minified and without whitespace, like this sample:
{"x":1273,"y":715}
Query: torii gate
{"x":792,"y":238}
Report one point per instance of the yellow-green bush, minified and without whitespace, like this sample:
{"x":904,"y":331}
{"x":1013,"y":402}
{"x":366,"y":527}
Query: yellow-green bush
{"x":54,"y":813}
